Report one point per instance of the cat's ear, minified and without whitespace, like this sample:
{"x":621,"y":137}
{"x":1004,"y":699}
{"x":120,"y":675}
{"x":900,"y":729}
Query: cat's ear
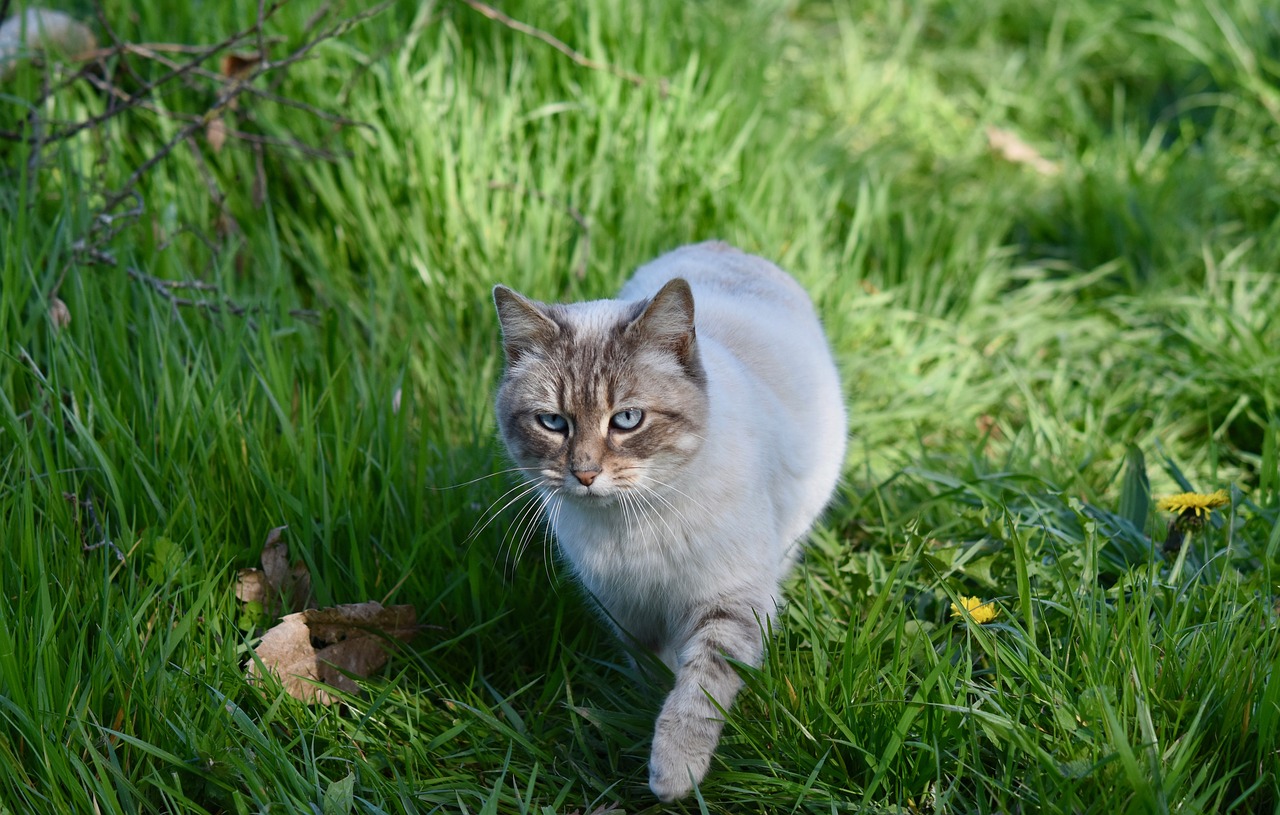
{"x":668,"y":321}
{"x":524,"y":325}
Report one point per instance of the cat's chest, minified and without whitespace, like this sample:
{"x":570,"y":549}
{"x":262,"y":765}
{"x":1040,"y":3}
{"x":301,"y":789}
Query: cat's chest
{"x":629,"y":557}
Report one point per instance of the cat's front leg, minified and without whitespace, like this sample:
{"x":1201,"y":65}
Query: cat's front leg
{"x":688,"y":728}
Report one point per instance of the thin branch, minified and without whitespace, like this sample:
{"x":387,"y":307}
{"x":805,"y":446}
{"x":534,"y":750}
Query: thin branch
{"x":179,"y":71}
{"x":337,"y":30}
{"x":98,"y":532}
{"x":263,"y":53}
{"x":202,"y":120}
{"x":573,"y":54}
{"x":167,"y":289}
{"x":105,"y":22}
{"x":184,"y":72}
{"x":211,"y":185}
{"x":142,"y":48}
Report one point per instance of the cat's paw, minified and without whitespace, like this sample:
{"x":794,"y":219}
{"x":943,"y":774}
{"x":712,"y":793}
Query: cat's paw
{"x":680,"y":759}
{"x":672,"y":778}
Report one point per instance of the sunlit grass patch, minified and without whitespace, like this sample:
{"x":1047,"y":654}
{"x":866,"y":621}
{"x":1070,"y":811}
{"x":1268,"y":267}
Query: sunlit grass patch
{"x":1031,"y":360}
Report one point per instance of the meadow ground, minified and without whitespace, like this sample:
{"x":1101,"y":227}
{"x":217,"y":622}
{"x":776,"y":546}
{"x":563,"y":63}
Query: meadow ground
{"x":1044,"y":237}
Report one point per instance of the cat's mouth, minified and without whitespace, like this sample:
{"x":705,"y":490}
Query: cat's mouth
{"x":596,"y":494}
{"x":602,"y":491}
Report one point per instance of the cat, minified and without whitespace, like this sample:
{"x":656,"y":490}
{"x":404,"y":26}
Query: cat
{"x":684,"y":438}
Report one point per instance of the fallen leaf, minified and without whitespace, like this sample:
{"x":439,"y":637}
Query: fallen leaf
{"x":215,"y":132}
{"x":59,"y":314}
{"x":275,"y":558}
{"x":1010,"y":147}
{"x":328,"y":646}
{"x":277,"y":586}
{"x":252,"y":587}
{"x":42,"y":30}
{"x":988,"y":426}
{"x":239,"y":66}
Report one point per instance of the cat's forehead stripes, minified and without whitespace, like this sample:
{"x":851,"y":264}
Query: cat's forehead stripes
{"x":589,"y":357}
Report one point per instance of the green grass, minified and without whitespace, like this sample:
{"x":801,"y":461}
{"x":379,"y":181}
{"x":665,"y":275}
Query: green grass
{"x":1028,"y":360}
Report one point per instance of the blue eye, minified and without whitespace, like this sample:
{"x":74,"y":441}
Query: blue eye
{"x":628,"y":419}
{"x":553,"y":422}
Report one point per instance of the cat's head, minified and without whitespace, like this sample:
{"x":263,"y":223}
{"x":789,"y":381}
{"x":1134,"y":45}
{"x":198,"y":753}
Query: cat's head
{"x":601,"y":397}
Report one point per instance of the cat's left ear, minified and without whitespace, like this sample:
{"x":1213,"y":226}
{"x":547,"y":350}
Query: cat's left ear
{"x":668,"y":321}
{"x":524,"y":325}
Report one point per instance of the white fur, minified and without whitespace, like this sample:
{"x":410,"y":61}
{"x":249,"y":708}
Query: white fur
{"x":726,"y":526}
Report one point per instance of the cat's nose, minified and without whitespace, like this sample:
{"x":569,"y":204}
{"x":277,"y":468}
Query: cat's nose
{"x":586,"y":475}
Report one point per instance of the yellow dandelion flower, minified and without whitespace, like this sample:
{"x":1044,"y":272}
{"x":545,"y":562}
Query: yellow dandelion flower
{"x":1195,"y":503}
{"x":982,"y":611}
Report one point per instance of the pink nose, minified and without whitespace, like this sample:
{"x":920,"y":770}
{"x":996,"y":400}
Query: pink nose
{"x":586,"y":476}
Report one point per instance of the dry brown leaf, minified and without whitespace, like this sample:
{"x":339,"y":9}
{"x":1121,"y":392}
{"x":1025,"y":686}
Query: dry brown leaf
{"x":42,"y":30}
{"x":252,"y":587}
{"x":239,"y":66}
{"x":215,"y":132}
{"x":277,"y":585}
{"x":329,"y":645}
{"x":299,"y":587}
{"x":59,"y":314}
{"x":275,"y":557}
{"x":1010,"y":147}
{"x":987,"y":425}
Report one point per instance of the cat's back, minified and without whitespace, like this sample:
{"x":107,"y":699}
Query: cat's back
{"x":724,"y":279}
{"x":756,"y":311}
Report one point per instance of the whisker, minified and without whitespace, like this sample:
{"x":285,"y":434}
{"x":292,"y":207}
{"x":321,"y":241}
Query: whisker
{"x":642,"y":494}
{"x":627,"y":510}
{"x":490,"y":514}
{"x":508,"y":542}
{"x":521,"y":529}
{"x":549,"y":560}
{"x":681,"y":493}
{"x":484,"y":477}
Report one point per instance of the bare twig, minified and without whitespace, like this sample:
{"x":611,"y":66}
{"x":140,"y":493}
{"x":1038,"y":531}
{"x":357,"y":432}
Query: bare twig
{"x":577,"y":56}
{"x":263,"y":52}
{"x":338,"y":29}
{"x":145,"y":48}
{"x":183,"y":66}
{"x":106,"y":224}
{"x":69,"y":129}
{"x":200,"y":121}
{"x":168,"y":288}
{"x":573,"y":212}
{"x":86,"y":505}
{"x":211,"y":185}
{"x":105,"y":22}
{"x":239,"y":86}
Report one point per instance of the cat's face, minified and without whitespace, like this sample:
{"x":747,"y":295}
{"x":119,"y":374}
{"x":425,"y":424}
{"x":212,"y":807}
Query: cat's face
{"x":601,"y":398}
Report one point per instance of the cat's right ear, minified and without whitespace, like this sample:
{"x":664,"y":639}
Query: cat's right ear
{"x":524,"y":325}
